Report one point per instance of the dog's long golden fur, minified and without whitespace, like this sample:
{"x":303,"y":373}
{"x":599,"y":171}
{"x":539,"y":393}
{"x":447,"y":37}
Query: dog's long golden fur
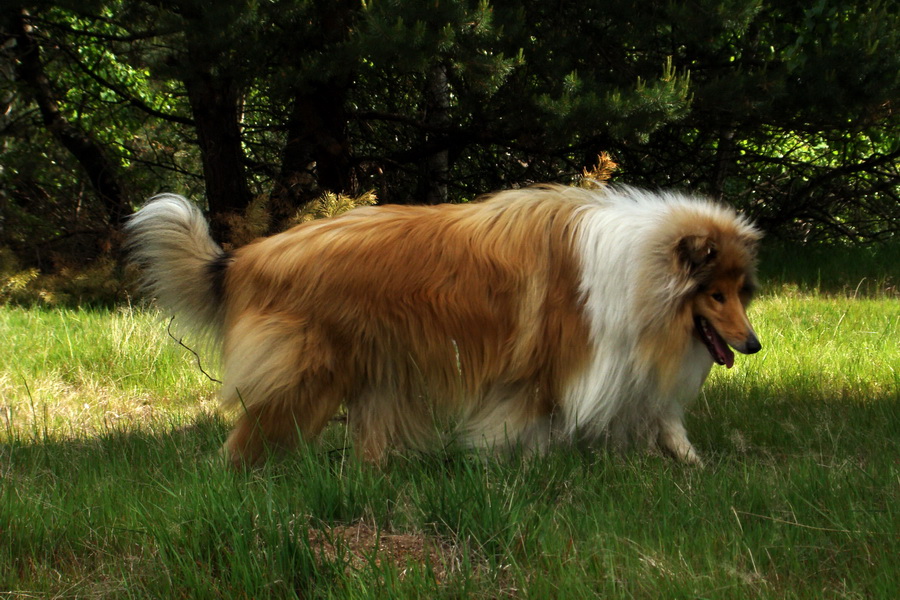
{"x":537,"y":313}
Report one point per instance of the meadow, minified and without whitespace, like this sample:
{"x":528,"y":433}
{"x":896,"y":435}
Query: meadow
{"x":111,"y":485}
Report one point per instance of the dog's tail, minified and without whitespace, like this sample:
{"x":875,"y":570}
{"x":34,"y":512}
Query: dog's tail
{"x":183,"y":268}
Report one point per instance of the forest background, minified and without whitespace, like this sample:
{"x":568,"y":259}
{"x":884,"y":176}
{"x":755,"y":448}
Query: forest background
{"x":787,"y":109}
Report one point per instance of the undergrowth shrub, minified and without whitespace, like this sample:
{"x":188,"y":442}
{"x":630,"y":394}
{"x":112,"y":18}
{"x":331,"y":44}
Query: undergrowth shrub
{"x":108,"y":280}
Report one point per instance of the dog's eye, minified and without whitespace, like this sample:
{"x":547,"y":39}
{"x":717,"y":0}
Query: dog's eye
{"x":719,"y":297}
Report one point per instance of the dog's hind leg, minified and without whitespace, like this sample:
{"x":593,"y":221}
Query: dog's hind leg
{"x":276,"y":423}
{"x":278,"y":377}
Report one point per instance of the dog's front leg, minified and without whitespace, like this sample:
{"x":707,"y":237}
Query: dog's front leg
{"x":672,"y":439}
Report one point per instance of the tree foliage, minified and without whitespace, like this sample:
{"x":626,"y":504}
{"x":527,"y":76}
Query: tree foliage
{"x":787,"y":109}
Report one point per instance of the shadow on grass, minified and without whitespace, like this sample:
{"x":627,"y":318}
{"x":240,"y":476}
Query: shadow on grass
{"x":303,"y":521}
{"x":156,"y":514}
{"x":121,"y":446}
{"x":778,"y":425}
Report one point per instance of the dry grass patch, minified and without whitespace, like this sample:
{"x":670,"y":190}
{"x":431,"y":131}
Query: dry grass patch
{"x":363,"y":546}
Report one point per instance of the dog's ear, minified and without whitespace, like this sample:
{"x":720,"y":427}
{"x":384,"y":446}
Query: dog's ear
{"x":695,"y":252}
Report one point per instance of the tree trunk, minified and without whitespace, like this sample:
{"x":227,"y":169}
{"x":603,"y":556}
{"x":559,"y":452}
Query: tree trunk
{"x":102,"y":173}
{"x":215,"y":105}
{"x":436,"y":167}
{"x":724,"y":158}
{"x":317,"y":154}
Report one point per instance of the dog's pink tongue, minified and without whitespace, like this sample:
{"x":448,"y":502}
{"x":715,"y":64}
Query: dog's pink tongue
{"x":723,"y":352}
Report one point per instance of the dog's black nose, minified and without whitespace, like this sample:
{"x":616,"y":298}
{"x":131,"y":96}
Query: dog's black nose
{"x":752,"y":346}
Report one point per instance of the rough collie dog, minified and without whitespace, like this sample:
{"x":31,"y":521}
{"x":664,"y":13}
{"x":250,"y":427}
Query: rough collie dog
{"x":536,"y":314}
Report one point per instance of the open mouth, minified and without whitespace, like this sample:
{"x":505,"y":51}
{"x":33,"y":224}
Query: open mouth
{"x":717,"y":347}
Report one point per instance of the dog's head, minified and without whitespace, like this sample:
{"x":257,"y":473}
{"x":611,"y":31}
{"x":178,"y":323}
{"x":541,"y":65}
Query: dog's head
{"x":720,"y":267}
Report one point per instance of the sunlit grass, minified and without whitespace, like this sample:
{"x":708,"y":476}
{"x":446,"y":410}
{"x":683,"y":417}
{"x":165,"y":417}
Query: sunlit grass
{"x":69,"y":373}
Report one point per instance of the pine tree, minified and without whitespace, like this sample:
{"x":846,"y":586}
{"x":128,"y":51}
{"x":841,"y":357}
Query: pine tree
{"x":785,"y":108}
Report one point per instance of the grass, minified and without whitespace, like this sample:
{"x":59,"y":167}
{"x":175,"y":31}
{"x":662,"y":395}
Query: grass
{"x":849,"y":270}
{"x":110,"y":485}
